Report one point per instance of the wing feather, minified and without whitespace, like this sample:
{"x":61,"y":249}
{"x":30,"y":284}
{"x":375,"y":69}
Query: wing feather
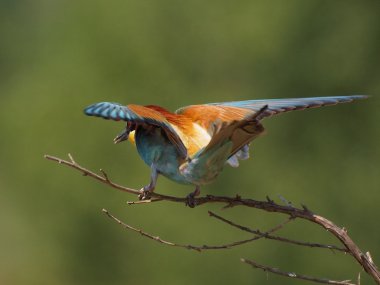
{"x":208,"y":116}
{"x":137,"y":114}
{"x":277,"y":106}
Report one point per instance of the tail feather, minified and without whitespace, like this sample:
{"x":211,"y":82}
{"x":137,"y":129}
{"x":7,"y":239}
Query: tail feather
{"x":277,"y":106}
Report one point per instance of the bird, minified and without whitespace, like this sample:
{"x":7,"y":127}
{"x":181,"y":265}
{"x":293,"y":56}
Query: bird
{"x":193,"y":144}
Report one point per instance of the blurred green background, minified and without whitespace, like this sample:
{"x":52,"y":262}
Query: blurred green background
{"x":56,"y":57}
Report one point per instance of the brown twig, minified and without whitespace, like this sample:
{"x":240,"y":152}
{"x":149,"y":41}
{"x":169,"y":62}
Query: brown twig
{"x":364,"y":259}
{"x":143,"y":201}
{"x":193,"y":247}
{"x":295,"y":275}
{"x":104,"y":178}
{"x":278,"y":238}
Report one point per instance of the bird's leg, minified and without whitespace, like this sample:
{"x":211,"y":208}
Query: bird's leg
{"x":146,"y":191}
{"x":191,"y":197}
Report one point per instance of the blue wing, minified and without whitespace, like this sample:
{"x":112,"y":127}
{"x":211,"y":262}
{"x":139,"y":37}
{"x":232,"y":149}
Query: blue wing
{"x":277,"y":106}
{"x":137,"y":114}
{"x":113,"y":111}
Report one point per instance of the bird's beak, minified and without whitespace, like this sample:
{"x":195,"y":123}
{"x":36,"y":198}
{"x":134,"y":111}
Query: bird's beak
{"x":121,"y":137}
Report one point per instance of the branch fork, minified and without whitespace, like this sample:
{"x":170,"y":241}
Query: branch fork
{"x":348,"y":245}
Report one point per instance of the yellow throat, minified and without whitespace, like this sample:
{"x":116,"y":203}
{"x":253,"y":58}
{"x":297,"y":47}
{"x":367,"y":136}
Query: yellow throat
{"x":131,"y":137}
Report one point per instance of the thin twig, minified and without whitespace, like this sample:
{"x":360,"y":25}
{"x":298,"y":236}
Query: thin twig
{"x":143,"y":201}
{"x":256,"y":232}
{"x":295,"y":275}
{"x":193,"y":247}
{"x":104,"y":179}
{"x":278,"y":238}
{"x":105,"y":175}
{"x":286,"y":202}
{"x":71,"y":158}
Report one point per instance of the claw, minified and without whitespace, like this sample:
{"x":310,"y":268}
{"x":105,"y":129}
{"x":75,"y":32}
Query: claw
{"x":145,"y":193}
{"x":190,"y":199}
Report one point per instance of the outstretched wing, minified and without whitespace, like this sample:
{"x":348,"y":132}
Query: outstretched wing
{"x":137,"y":114}
{"x":277,"y":106}
{"x":233,"y":120}
{"x":236,"y":110}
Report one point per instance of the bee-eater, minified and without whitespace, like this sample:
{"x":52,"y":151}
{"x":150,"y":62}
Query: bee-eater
{"x":193,"y":144}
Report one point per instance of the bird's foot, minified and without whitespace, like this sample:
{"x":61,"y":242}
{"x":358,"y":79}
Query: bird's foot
{"x":145,"y":193}
{"x":190,"y":199}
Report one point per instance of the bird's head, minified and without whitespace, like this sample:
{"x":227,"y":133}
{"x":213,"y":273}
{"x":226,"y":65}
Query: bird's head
{"x":127,"y":134}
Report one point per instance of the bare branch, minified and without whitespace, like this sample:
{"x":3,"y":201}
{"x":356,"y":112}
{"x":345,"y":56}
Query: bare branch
{"x":278,"y":238}
{"x":193,"y":247}
{"x":71,"y":158}
{"x":143,"y":201}
{"x":105,"y":175}
{"x":104,"y":179}
{"x":364,"y":259}
{"x":256,"y":232}
{"x":295,"y":275}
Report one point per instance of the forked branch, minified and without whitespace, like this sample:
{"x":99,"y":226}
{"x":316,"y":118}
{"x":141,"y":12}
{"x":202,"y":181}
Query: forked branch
{"x":194,"y":247}
{"x":364,"y":259}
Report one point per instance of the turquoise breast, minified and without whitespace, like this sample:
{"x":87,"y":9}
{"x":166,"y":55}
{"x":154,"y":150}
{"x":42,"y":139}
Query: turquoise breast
{"x":154,"y":147}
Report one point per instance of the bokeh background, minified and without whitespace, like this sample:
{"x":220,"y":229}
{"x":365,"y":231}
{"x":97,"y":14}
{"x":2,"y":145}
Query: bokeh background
{"x":56,"y":57}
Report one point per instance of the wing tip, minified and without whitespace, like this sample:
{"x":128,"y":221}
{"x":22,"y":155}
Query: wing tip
{"x":91,"y":110}
{"x":106,"y":110}
{"x":360,"y":97}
